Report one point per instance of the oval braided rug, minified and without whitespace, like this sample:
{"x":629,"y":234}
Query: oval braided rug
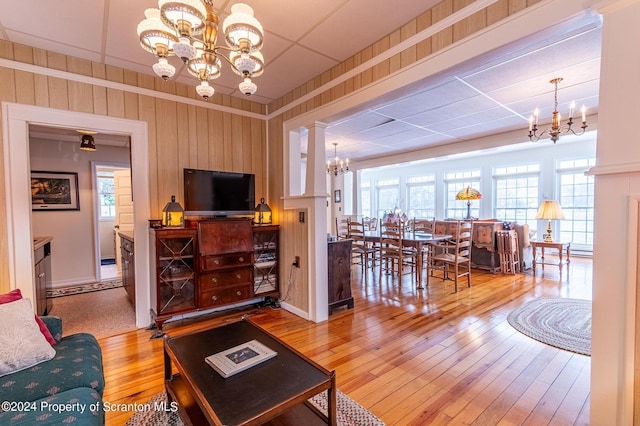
{"x":563,"y":323}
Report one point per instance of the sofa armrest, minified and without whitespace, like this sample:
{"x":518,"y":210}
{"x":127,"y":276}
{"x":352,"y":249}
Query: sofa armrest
{"x":54,"y":324}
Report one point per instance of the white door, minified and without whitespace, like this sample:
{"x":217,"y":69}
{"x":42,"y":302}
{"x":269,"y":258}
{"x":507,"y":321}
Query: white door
{"x":124,"y":206}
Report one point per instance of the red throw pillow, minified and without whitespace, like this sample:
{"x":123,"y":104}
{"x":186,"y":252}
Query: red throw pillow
{"x":14,"y":295}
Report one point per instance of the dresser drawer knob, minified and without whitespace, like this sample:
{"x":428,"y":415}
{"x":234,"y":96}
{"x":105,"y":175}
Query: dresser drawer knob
{"x":241,"y":259}
{"x":214,"y":298}
{"x":239,"y":293}
{"x":214,"y":280}
{"x":217,"y":262}
{"x":238,"y":276}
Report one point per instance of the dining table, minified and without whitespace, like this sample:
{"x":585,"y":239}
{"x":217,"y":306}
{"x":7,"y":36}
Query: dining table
{"x":416,"y":240}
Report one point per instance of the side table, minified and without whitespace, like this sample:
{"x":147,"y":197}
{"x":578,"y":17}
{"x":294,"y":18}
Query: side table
{"x":558,"y":245}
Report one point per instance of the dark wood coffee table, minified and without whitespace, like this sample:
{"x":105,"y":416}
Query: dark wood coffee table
{"x":273,"y":392}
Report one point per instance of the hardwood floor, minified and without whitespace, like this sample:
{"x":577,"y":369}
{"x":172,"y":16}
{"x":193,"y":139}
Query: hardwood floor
{"x":412,"y":357}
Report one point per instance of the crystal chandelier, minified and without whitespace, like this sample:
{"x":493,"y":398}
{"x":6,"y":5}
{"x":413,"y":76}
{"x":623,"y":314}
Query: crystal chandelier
{"x":555,"y":131}
{"x":189,"y":29}
{"x":338,"y":165}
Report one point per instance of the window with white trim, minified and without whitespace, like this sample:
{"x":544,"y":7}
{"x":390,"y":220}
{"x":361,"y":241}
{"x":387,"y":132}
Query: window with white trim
{"x":516,"y":193}
{"x":106,"y":194}
{"x":576,"y":200}
{"x":388,"y":195}
{"x":365,"y":199}
{"x":455,"y":182}
{"x":421,"y":196}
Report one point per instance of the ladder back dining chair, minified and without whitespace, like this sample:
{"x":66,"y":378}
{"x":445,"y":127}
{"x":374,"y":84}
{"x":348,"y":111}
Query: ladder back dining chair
{"x":453,"y":256}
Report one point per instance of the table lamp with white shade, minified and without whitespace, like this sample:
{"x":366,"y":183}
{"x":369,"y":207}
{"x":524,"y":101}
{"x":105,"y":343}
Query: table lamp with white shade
{"x":549,"y":210}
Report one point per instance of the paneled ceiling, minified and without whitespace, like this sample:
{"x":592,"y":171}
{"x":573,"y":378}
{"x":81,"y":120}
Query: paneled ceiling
{"x":488,"y":95}
{"x":496,"y":93}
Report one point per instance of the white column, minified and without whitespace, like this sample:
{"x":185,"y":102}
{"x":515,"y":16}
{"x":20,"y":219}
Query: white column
{"x":617,"y":183}
{"x":316,"y":167}
{"x":316,"y":194}
{"x":318,"y":263}
{"x":355,"y":194}
{"x":294,"y":171}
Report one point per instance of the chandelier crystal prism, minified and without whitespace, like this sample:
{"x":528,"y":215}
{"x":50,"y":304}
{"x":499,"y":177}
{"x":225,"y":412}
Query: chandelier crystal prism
{"x":338,"y":165}
{"x":188,"y":29}
{"x":556,"y":130}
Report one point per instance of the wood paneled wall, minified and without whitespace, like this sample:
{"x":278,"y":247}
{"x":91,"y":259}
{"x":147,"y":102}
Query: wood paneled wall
{"x":456,"y":32}
{"x":295,"y":242}
{"x":183,"y":135}
{"x":180,"y":134}
{"x":476,"y":22}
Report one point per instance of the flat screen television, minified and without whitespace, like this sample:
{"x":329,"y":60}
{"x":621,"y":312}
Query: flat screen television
{"x":214,"y":193}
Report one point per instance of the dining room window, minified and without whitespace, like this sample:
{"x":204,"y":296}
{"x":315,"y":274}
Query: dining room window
{"x":516,"y":193}
{"x":388,"y":195}
{"x":576,"y":199}
{"x":365,"y":198}
{"x":455,"y":182}
{"x":421,"y":197}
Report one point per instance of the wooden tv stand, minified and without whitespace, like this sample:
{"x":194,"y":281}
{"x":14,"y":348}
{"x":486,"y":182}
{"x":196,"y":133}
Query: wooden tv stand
{"x":211,"y":263}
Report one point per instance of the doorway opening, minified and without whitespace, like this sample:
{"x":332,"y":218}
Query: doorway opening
{"x":16,"y":119}
{"x":114,"y":212}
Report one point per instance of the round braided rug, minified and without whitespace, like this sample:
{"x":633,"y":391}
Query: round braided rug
{"x":563,"y":323}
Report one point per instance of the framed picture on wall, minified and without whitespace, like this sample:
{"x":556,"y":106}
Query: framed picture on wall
{"x":54,"y":191}
{"x":337,"y":196}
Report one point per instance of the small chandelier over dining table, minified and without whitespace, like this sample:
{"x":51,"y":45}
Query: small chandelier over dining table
{"x":189,"y":29}
{"x":338,"y":165}
{"x":555,"y":131}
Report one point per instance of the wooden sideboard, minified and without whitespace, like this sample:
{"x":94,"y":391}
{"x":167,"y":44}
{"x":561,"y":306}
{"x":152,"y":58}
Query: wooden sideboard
{"x":210,"y":264}
{"x":174,"y":273}
{"x":225,"y":265}
{"x":339,"y":270}
{"x":42,"y":271}
{"x":266,"y":245}
{"x":484,"y":250}
{"x":128,"y":264}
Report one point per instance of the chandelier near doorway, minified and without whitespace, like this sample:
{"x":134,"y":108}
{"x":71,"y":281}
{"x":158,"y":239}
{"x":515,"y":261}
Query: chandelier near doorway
{"x":555,"y":131}
{"x":189,"y":29}
{"x":338,"y":165}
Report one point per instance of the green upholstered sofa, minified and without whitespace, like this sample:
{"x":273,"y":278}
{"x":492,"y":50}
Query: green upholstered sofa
{"x":66,"y":389}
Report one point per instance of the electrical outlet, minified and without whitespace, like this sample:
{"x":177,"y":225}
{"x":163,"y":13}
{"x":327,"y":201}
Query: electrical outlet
{"x":296,"y":262}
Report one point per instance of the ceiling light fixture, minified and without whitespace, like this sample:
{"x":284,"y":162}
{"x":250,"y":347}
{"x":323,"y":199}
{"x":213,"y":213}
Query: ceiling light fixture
{"x":555,"y":131}
{"x":189,"y":29}
{"x":87,"y":143}
{"x":338,"y":165}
